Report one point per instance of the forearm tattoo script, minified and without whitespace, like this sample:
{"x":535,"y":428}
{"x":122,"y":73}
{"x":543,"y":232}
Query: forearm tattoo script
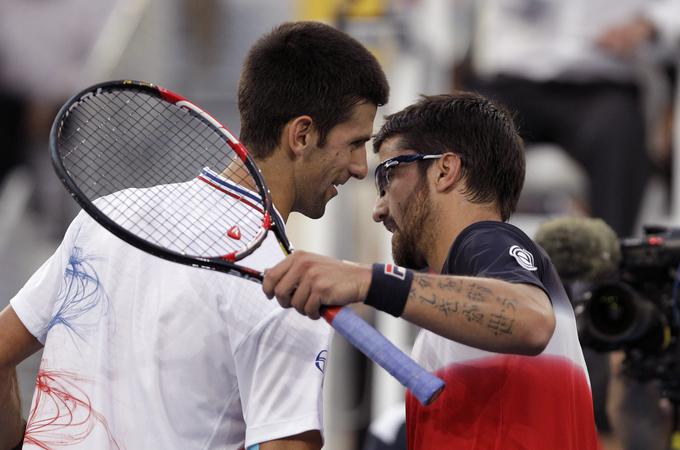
{"x":478,"y":304}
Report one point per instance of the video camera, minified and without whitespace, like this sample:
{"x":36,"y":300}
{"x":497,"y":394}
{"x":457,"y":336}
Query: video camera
{"x":637,"y":308}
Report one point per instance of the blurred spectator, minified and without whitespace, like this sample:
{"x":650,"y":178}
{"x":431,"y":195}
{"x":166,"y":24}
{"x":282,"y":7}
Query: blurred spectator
{"x":45,"y":48}
{"x":571,"y":71}
{"x":577,"y":75}
{"x":45,"y":45}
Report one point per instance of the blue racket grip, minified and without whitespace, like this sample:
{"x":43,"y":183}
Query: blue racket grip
{"x":422,"y":384}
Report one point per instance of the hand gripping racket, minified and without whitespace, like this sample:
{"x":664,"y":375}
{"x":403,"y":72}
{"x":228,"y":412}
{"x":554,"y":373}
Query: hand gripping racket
{"x":166,"y":177}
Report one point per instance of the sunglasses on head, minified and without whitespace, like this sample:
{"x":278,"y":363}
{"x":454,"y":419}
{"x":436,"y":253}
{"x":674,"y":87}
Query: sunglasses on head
{"x":382,"y":172}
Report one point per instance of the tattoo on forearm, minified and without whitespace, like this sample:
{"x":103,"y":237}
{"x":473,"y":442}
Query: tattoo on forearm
{"x":423,"y":282}
{"x":445,"y":306}
{"x":478,"y":293}
{"x":472,"y":313}
{"x":412,"y":293}
{"x":449,"y":284}
{"x":507,"y":304}
{"x":448,"y":307}
{"x":429,"y":301}
{"x":500,"y":324}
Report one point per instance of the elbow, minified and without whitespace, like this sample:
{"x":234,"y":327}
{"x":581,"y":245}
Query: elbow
{"x":539,"y":334}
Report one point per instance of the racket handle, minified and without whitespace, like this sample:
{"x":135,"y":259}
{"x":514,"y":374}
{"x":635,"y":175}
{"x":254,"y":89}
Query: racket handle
{"x":423,"y":385}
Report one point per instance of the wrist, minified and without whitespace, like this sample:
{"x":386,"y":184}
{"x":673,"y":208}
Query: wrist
{"x":389,"y":289}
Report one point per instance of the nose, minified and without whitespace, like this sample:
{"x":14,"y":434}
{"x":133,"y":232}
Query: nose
{"x":358,"y":166}
{"x":380,"y":209}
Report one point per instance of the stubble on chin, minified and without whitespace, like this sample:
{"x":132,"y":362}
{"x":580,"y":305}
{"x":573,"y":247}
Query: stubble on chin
{"x":411,"y":240}
{"x":406,"y":255}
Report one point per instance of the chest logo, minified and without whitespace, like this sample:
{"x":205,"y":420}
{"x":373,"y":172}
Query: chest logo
{"x":321,"y":360}
{"x":524,"y":258}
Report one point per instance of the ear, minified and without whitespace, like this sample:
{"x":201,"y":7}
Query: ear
{"x":447,"y":172}
{"x":298,"y":134}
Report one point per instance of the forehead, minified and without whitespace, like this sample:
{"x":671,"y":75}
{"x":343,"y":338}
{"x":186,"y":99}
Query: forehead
{"x":360,"y":120}
{"x":393,"y":146}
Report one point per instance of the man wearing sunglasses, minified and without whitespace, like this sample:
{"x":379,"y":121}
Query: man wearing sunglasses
{"x":497,"y":324}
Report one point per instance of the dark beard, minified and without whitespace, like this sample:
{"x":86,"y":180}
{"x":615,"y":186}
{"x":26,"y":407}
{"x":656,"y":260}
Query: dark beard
{"x":408,"y":242}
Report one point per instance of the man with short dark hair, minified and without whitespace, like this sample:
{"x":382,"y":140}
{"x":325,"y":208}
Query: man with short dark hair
{"x":497,"y":324}
{"x":140,"y":352}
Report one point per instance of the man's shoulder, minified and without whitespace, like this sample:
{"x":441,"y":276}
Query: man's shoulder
{"x":488,"y":235}
{"x":488,"y":227}
{"x":493,"y":243}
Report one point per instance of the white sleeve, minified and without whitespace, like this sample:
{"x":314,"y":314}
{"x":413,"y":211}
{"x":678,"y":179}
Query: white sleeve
{"x":35,"y":302}
{"x":280,"y":368}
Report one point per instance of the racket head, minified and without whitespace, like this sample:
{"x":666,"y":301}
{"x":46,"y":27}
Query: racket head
{"x":134,"y":156}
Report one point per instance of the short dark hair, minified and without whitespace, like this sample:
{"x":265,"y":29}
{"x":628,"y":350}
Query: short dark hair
{"x":479,"y":131}
{"x":304,"y":68}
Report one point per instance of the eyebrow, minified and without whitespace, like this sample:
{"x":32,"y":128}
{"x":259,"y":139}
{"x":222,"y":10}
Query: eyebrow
{"x":361,"y":140}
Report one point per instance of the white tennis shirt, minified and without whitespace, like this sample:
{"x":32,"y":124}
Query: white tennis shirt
{"x":140,"y":352}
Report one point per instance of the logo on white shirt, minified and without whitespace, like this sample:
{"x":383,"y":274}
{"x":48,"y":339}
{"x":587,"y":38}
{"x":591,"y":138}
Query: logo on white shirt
{"x":523,"y":257}
{"x":321,"y":360}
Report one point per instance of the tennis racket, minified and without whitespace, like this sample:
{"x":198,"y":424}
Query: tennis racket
{"x":166,"y":177}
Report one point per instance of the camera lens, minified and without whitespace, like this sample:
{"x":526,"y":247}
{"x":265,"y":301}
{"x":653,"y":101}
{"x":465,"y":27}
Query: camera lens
{"x":612,"y":311}
{"x":617,"y":316}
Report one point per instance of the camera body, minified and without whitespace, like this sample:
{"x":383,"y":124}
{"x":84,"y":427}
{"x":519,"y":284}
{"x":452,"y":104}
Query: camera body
{"x":636,"y":310}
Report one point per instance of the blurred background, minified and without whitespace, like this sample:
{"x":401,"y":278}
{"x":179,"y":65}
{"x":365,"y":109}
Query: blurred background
{"x":592,"y":84}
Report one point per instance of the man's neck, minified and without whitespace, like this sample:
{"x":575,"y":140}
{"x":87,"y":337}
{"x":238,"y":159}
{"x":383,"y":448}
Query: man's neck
{"x":452,"y":221}
{"x":280,"y":178}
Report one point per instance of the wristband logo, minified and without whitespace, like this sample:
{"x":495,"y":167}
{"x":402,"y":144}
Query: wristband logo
{"x":523,"y":257}
{"x":395,"y":271}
